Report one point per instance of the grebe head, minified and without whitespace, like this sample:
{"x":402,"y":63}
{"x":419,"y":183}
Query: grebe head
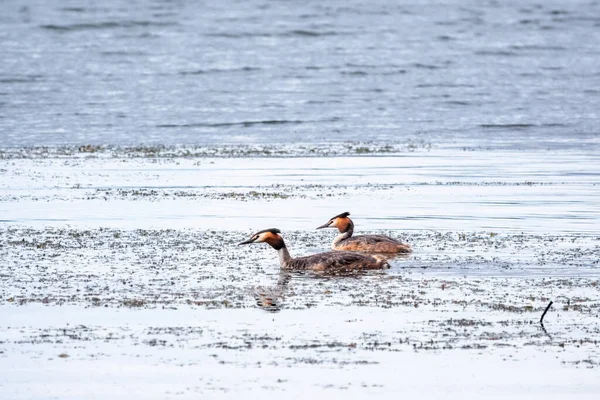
{"x":269,"y":236}
{"x":341,"y":221}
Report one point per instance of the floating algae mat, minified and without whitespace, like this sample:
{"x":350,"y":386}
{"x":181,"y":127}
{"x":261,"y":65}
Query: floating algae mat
{"x":123,"y":274}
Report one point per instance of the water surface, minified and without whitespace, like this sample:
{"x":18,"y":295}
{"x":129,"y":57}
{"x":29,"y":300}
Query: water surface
{"x":500,"y":74}
{"x":140,"y":142}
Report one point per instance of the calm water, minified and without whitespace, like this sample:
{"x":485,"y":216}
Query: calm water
{"x":477,"y":73}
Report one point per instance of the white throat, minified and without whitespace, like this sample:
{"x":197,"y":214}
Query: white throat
{"x":284,"y":256}
{"x":340,"y":237}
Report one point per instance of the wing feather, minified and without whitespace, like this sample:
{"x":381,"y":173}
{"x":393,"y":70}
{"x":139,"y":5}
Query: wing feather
{"x":373,"y":243}
{"x":337,"y":260}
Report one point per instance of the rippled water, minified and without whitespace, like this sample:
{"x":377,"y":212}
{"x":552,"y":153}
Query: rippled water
{"x":510,"y":73}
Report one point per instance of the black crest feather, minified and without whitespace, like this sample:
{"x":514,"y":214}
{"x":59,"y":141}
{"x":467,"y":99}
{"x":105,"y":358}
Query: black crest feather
{"x":272,"y":230}
{"x":342,"y":215}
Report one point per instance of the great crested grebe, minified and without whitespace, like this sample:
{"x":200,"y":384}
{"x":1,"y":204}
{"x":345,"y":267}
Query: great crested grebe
{"x":366,"y":243}
{"x":328,"y":261}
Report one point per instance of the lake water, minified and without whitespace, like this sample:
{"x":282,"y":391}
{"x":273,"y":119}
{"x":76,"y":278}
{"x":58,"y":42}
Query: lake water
{"x":141,"y":141}
{"x":468,"y":73}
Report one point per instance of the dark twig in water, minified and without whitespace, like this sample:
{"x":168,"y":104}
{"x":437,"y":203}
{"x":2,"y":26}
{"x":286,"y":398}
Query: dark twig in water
{"x":545,"y":331}
{"x":545,"y":311}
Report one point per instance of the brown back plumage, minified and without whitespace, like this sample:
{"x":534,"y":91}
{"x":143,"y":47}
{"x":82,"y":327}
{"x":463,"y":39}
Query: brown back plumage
{"x":373,"y":243}
{"x":337,"y":260}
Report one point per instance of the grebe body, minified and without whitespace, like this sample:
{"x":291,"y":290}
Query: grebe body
{"x":328,"y":261}
{"x":364,"y":243}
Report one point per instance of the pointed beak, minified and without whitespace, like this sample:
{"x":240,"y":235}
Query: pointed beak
{"x":246,"y":242}
{"x":323,"y":226}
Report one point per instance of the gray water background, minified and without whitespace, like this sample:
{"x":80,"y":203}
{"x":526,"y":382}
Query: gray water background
{"x":496,"y":74}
